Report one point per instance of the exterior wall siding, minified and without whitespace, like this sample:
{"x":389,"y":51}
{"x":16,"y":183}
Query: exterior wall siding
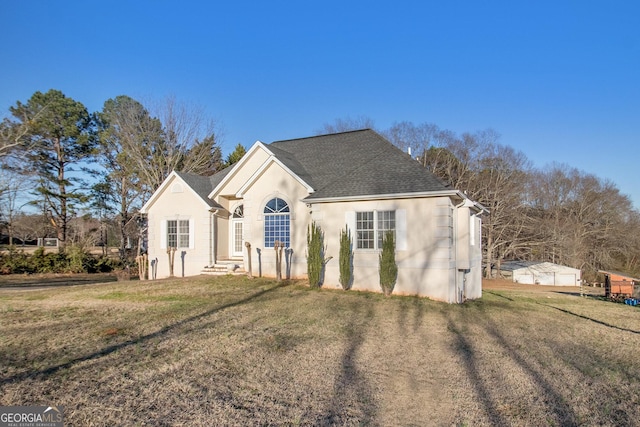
{"x":425,"y":265}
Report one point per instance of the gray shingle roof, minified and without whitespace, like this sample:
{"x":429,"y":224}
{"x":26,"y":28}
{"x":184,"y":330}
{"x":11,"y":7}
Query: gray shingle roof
{"x":356,"y":163}
{"x":203,"y":185}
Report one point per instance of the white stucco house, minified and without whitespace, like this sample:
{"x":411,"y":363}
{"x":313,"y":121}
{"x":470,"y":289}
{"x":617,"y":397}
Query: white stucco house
{"x":353,"y":179}
{"x":540,"y":273}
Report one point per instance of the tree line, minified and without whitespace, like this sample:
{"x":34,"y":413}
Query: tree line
{"x":556,"y":213}
{"x":66,"y":161}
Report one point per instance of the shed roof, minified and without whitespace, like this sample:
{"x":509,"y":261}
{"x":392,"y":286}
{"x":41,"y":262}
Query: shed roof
{"x":537,"y":266}
{"x":618,"y":273}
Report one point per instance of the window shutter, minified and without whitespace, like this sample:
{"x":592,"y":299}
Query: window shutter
{"x":163,"y":234}
{"x":401,"y":229}
{"x":192,"y":233}
{"x":350,"y":220}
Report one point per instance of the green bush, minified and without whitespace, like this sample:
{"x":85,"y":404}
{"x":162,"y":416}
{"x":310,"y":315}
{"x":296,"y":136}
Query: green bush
{"x":15,"y":261}
{"x":104,"y":264}
{"x":315,"y":255}
{"x":388,"y":266}
{"x":75,"y":260}
{"x":346,"y":259}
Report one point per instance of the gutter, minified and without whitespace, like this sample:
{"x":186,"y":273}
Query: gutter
{"x":479,"y":208}
{"x":385,"y":196}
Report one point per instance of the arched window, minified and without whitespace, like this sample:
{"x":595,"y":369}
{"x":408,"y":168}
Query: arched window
{"x":277,"y":223}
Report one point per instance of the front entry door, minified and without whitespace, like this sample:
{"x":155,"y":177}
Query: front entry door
{"x":237,"y":237}
{"x":237,"y":231}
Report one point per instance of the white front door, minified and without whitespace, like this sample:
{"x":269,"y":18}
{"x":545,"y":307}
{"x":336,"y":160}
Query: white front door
{"x":237,"y":237}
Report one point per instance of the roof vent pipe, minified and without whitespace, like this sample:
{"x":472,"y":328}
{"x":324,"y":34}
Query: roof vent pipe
{"x":409,"y":151}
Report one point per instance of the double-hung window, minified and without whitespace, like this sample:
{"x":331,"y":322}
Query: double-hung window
{"x":178,"y":233}
{"x":386,"y":221}
{"x":371,"y":226}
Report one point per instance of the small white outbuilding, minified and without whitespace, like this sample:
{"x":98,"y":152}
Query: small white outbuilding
{"x":540,"y":273}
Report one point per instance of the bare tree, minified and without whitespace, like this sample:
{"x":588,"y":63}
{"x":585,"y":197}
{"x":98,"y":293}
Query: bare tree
{"x":583,"y":221}
{"x":31,"y":226}
{"x":346,"y":124}
{"x":189,"y":139}
{"x":419,"y":138}
{"x":139,"y":150}
{"x":13,"y":187}
{"x":500,"y":184}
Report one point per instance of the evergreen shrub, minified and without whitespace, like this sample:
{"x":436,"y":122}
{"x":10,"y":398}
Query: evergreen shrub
{"x":315,"y":255}
{"x":346,"y":259}
{"x":388,"y":266}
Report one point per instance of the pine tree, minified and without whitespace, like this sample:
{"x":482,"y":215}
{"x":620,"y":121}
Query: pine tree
{"x":236,"y":155}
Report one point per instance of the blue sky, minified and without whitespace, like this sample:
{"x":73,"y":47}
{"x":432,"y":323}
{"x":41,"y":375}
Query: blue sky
{"x":559,"y":80}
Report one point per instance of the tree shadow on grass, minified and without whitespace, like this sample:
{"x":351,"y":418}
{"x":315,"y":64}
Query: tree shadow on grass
{"x":411,"y":306}
{"x":132,"y":342}
{"x":555,"y":401}
{"x":351,"y":391}
{"x":464,"y":349}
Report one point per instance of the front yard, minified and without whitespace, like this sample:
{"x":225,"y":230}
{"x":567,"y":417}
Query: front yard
{"x":234,"y":351}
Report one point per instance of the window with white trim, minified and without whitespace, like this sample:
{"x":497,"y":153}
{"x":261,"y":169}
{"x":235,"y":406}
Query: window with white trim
{"x":177,"y":233}
{"x":277,"y":223}
{"x":371,"y":226}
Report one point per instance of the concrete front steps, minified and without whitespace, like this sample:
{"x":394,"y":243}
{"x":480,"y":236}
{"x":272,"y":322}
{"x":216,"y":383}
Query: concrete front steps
{"x":224,"y":267}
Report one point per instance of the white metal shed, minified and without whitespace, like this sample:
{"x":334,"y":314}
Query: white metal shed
{"x":540,"y":273}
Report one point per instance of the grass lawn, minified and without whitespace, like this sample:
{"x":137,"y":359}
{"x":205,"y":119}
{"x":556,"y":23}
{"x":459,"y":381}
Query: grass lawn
{"x":235,"y":351}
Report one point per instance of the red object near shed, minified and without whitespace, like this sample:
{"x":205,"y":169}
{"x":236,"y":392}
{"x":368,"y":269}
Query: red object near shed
{"x":618,"y":285}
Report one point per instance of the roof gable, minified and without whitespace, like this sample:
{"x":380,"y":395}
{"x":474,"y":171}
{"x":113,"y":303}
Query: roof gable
{"x":198,"y":185}
{"x":255,"y":171}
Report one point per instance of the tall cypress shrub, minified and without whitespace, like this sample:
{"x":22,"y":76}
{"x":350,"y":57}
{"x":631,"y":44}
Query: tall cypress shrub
{"x":346,"y":258}
{"x":388,"y":266}
{"x":315,"y":254}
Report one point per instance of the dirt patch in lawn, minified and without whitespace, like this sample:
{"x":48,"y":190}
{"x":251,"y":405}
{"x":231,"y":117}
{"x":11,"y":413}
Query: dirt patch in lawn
{"x":235,"y":351}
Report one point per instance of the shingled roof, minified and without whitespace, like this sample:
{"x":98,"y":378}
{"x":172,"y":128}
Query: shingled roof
{"x":354,"y":164}
{"x":203,"y":185}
